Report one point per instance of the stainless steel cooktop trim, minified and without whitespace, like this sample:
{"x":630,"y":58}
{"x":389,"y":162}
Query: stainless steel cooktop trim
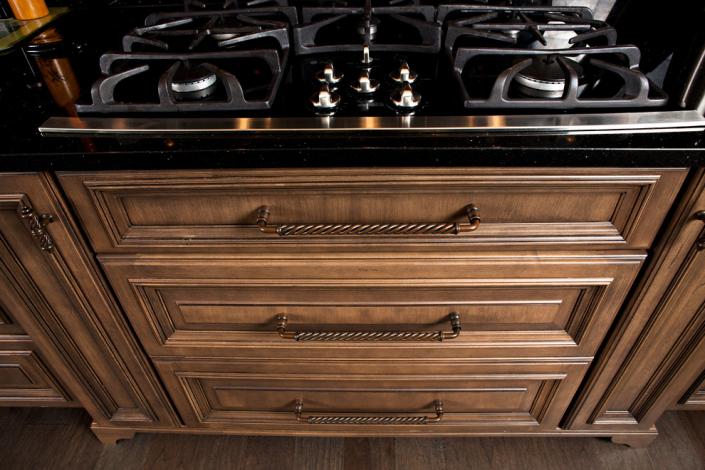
{"x":665,"y":121}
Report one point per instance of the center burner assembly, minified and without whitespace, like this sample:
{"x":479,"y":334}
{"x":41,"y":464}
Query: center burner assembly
{"x":273,"y":58}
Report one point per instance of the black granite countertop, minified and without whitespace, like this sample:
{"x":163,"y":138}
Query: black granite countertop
{"x":26,"y":102}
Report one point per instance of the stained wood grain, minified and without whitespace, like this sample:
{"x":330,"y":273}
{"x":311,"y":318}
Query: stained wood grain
{"x":60,"y":299}
{"x":207,"y":210}
{"x":656,"y":352}
{"x":561,"y":304}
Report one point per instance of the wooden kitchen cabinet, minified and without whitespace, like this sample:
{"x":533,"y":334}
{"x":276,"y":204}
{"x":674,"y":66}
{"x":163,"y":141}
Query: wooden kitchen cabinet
{"x":25,"y":378}
{"x":656,"y":355}
{"x":463,"y":301}
{"x":204,"y":286}
{"x":53,"y":288}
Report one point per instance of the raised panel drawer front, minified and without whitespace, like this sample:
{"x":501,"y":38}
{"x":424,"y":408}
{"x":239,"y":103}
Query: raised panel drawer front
{"x":8,"y":325}
{"x":695,"y":396}
{"x":366,"y":209}
{"x":371,"y":397}
{"x":25,"y":380}
{"x":523,"y":304}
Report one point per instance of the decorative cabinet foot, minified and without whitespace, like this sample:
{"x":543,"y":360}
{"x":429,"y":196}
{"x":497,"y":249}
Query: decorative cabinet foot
{"x":634,"y":440}
{"x":110,"y":436}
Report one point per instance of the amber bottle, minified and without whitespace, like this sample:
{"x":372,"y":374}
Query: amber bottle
{"x":28,"y":9}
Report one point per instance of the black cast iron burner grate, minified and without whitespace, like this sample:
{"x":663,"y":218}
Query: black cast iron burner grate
{"x":187,"y":31}
{"x":528,"y":27}
{"x":614,"y":80}
{"x":406,"y":29}
{"x":229,"y":81}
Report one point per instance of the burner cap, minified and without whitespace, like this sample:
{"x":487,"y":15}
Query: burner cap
{"x":365,"y":24}
{"x":545,"y":78}
{"x":223,"y":36}
{"x":195,"y":82}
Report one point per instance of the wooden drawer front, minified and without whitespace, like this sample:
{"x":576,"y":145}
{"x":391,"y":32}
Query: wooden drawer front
{"x":25,"y":380}
{"x":155,"y":211}
{"x":251,"y":395}
{"x":525,"y":305}
{"x":8,"y":325}
{"x":695,"y":396}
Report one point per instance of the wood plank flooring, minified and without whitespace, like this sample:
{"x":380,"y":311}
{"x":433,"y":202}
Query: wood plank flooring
{"x":33,"y":438}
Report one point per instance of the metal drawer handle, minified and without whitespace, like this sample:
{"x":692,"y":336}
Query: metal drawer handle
{"x":443,"y":228}
{"x":349,"y":419}
{"x":453,"y":317}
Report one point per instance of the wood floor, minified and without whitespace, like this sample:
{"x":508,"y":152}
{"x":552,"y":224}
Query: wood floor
{"x":57,"y":439}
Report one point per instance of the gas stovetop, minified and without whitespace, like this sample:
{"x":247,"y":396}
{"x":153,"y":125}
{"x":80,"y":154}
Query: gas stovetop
{"x":371,"y":60}
{"x":343,"y":62}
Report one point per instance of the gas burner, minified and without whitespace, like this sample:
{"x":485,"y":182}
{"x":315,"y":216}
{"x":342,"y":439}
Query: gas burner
{"x":597,"y":77}
{"x":522,"y":27}
{"x":209,"y":30}
{"x":395,"y":28}
{"x":164,"y":82}
{"x":545,"y":77}
{"x":193,"y":83}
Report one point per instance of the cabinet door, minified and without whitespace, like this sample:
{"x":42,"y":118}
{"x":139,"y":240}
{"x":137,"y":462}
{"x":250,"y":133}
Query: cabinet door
{"x":657,"y":350}
{"x":50,"y":283}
